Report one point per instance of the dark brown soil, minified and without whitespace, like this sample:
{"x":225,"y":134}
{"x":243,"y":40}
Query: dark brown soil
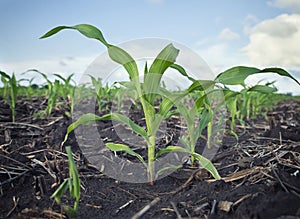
{"x":260,"y":174}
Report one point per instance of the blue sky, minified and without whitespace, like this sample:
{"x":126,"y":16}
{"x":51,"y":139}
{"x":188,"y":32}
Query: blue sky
{"x":224,"y":33}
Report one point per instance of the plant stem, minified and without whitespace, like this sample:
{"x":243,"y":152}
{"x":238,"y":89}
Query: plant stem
{"x":151,"y":154}
{"x":151,"y":142}
{"x":209,"y":133}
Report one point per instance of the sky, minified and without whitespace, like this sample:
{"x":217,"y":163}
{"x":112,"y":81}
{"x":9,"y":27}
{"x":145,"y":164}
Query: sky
{"x":260,"y":33}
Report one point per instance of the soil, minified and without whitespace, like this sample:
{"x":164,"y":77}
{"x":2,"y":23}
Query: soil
{"x":260,"y":173}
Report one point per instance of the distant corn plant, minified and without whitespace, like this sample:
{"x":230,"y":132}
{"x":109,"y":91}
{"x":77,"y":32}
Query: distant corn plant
{"x":10,"y":88}
{"x":56,"y":89}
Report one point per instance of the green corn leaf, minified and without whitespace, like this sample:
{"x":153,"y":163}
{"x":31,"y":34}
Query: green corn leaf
{"x":54,"y":31}
{"x":182,"y":71}
{"x":122,"y":57}
{"x":75,"y":187}
{"x":206,"y":117}
{"x":125,"y":120}
{"x":229,"y":94}
{"x":85,"y":29}
{"x":165,"y":106}
{"x":4,"y":75}
{"x":263,"y":89}
{"x":89,"y":118}
{"x":69,"y":78}
{"x":71,"y":187}
{"x":50,"y":85}
{"x":65,"y":80}
{"x":279,"y":71}
{"x":146,"y":68}
{"x":164,"y":59}
{"x":121,"y":147}
{"x":71,"y":212}
{"x":237,"y":75}
{"x":5,"y":79}
{"x":83,"y":120}
{"x":188,"y":114}
{"x":168,"y":102}
{"x":170,"y":149}
{"x":200,"y":102}
{"x":115,"y":53}
{"x":201,"y":85}
{"x":60,"y":191}
{"x":13,"y":94}
{"x":97,"y":84}
{"x":153,"y":78}
{"x":128,"y":84}
{"x":206,"y":164}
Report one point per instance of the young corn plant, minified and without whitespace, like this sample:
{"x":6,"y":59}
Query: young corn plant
{"x":256,"y":98}
{"x":50,"y":93}
{"x":240,"y":103}
{"x":233,"y":76}
{"x":10,"y":87}
{"x":57,"y":89}
{"x":66,"y":90}
{"x":147,"y":91}
{"x":196,"y":120}
{"x":73,"y":184}
{"x":104,"y":93}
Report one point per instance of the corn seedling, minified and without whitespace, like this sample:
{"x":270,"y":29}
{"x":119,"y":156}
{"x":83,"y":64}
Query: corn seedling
{"x":147,"y":92}
{"x":11,"y":87}
{"x":73,"y":184}
{"x":255,"y":98}
{"x":104,"y":93}
{"x":196,"y":122}
{"x":66,"y":90}
{"x":57,"y":89}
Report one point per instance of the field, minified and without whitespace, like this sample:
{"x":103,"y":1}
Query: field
{"x":260,"y":174}
{"x":138,"y":149}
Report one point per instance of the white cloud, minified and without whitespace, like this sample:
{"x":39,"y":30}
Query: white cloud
{"x":227,"y":34}
{"x":275,"y":42}
{"x":292,"y":5}
{"x":220,"y":57}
